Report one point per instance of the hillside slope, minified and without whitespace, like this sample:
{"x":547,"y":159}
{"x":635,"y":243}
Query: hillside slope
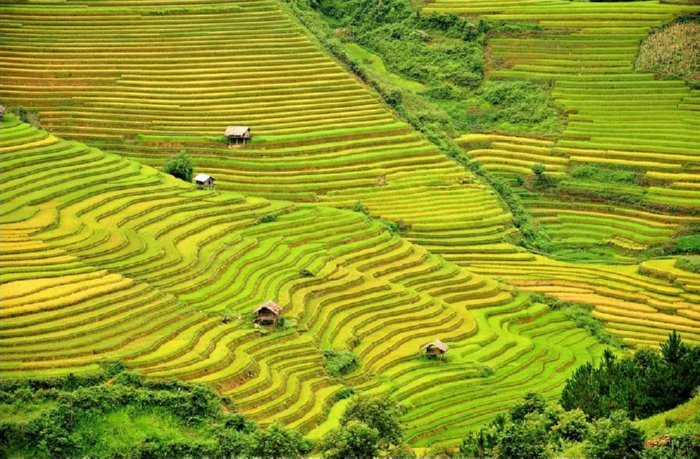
{"x":144,"y":81}
{"x":106,"y":259}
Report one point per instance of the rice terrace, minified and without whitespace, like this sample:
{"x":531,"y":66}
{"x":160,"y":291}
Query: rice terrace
{"x":349,"y":228}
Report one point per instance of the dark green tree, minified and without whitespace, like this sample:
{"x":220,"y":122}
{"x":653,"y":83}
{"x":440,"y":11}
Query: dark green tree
{"x":276,"y":442}
{"x":531,"y":403}
{"x":379,"y":413}
{"x":526,"y":439}
{"x":354,"y":440}
{"x":180,"y":166}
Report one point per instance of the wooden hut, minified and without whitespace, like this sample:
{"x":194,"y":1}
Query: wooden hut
{"x":237,"y":135}
{"x":268,"y":313}
{"x":435,"y":348}
{"x":204,"y":181}
{"x":2,"y":112}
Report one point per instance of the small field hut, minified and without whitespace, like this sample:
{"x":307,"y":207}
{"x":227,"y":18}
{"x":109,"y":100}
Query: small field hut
{"x":204,"y":181}
{"x":268,"y":313}
{"x":2,"y":112}
{"x":237,"y":135}
{"x":435,"y":348}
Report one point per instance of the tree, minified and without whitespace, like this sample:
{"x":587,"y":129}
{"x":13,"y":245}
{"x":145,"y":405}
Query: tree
{"x":673,"y":349}
{"x":531,"y":403}
{"x":180,"y":166}
{"x":354,"y":440}
{"x":614,"y":438}
{"x":572,"y":426}
{"x":379,"y":413}
{"x":276,"y":442}
{"x":525,"y":440}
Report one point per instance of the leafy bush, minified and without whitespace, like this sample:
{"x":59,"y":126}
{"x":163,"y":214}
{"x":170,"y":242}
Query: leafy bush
{"x":613,"y":438}
{"x":353,"y":440}
{"x":339,"y":363}
{"x":518,"y":102}
{"x":277,"y":442}
{"x":572,"y":426}
{"x":379,"y":413}
{"x":180,"y":166}
{"x":268,"y":218}
{"x":688,"y":244}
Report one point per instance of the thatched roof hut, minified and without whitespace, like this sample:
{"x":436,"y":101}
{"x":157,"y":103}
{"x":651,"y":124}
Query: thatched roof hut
{"x":435,"y":347}
{"x":268,"y":312}
{"x":237,"y":134}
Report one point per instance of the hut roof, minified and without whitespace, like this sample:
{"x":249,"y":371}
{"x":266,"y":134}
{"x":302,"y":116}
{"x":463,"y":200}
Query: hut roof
{"x":271,"y":306}
{"x":438,"y":344}
{"x":236,"y":131}
{"x":203,"y":178}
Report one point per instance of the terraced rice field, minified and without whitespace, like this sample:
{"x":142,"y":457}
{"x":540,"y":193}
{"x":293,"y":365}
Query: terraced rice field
{"x":103,"y":257}
{"x":111,"y":259}
{"x":617,"y":117}
{"x":320,"y":135}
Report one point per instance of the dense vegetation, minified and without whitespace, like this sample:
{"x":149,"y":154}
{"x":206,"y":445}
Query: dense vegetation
{"x":642,"y":385}
{"x":114,"y":413}
{"x":593,"y":419}
{"x":445,"y":53}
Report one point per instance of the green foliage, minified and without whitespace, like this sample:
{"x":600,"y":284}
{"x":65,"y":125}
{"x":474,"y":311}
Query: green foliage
{"x":342,"y":394}
{"x":581,"y":315}
{"x":113,"y":368}
{"x":518,"y":102}
{"x":277,"y":442}
{"x":398,"y":228}
{"x":687,"y":244}
{"x":643,"y":384}
{"x":539,"y":169}
{"x":600,"y":174}
{"x":353,"y":440}
{"x":532,"y":428}
{"x":613,"y":438}
{"x":572,"y":426}
{"x":691,"y":264}
{"x":674,"y":447}
{"x":377,"y":412}
{"x":532,"y":403}
{"x":267,"y":218}
{"x":402,"y":37}
{"x":26,"y":116}
{"x":359,"y":207}
{"x":368,"y":428}
{"x":526,"y":439}
{"x":339,"y":363}
{"x":180,"y":166}
{"x":115,"y":413}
